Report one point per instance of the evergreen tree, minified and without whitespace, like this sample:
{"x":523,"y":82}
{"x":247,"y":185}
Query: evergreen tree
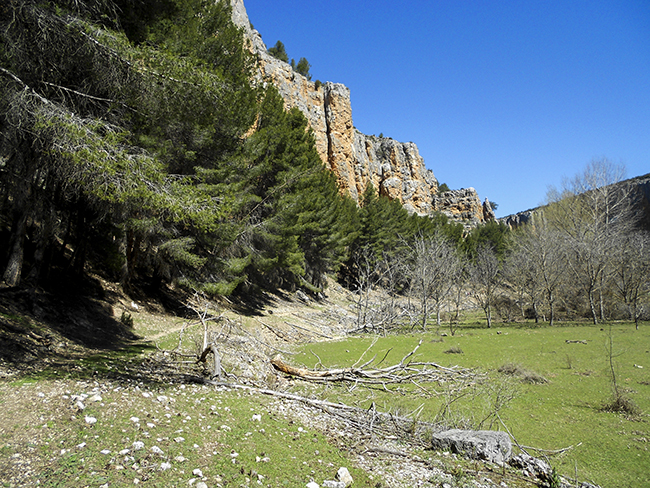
{"x":303,"y":68}
{"x":279,"y":52}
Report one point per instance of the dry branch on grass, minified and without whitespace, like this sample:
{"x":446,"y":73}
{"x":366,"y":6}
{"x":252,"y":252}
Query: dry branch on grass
{"x":405,"y":371}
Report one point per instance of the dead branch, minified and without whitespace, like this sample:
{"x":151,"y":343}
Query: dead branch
{"x":358,"y":418}
{"x":276,"y":332}
{"x":403,"y":372}
{"x":308,"y":330}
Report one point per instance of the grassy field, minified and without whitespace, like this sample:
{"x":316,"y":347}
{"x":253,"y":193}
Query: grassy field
{"x":610,"y":449}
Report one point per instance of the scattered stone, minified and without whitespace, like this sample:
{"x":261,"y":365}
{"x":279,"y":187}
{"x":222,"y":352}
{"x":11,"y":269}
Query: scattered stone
{"x":157,"y":450}
{"x":91,"y":420}
{"x":198,"y":472}
{"x":95,"y":399}
{"x":257,"y":418}
{"x":105,"y":452}
{"x":138,"y":445}
{"x":344,"y":476}
{"x":532,"y":466}
{"x":80,"y":406}
{"x":135,"y":420}
{"x":165,"y":466}
{"x":333,"y":484}
{"x":201,"y":484}
{"x":311,"y":484}
{"x":82,"y":445}
{"x":179,"y":439}
{"x":493,"y":446}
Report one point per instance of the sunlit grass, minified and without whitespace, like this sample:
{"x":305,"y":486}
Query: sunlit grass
{"x":609,"y":448}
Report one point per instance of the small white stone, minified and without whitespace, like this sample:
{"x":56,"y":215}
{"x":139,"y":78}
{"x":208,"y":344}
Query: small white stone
{"x":124,"y":452}
{"x":180,"y":459}
{"x":91,"y":420}
{"x":201,"y":484}
{"x":134,"y":420}
{"x":80,"y":405}
{"x":165,"y":466}
{"x":105,"y":452}
{"x":257,"y":417}
{"x":95,"y":398}
{"x":156,"y":450}
{"x":82,"y":445}
{"x":179,"y":439}
{"x":151,"y":425}
{"x":40,"y":394}
{"x":198,"y":472}
{"x":311,"y":484}
{"x":137,"y":445}
{"x":344,"y":475}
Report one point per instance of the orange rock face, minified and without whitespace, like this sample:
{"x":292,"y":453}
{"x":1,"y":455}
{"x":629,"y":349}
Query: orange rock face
{"x":394,"y":168}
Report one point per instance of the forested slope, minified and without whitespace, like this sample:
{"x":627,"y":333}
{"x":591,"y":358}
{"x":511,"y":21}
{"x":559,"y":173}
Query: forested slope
{"x":134,"y":140}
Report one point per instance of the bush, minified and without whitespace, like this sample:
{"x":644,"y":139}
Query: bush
{"x":526,"y":376}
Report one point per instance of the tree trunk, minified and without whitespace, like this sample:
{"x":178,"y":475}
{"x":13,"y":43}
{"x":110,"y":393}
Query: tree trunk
{"x":14,"y":267}
{"x":592,"y":306}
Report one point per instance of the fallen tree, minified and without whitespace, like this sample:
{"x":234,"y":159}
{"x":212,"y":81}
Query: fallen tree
{"x":406,"y":371}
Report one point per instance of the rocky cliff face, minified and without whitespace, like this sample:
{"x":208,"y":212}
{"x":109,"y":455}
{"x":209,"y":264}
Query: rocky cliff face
{"x":464,"y":206}
{"x":394,"y":168}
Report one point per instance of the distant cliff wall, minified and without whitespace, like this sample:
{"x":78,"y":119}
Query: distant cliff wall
{"x":394,"y":168}
{"x":639,"y":192}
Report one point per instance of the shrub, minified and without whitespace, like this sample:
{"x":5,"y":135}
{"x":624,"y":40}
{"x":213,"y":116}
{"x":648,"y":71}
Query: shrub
{"x":526,"y":376}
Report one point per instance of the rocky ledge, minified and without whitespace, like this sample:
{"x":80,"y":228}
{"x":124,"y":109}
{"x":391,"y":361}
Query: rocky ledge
{"x":394,"y":168}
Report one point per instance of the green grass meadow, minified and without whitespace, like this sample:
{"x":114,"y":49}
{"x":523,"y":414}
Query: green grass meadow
{"x":610,"y":449}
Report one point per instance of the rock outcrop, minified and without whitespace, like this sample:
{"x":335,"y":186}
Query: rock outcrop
{"x":463,"y":205}
{"x":490,"y":445}
{"x":394,"y":168}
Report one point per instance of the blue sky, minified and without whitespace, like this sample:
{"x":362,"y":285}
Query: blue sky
{"x":505,"y":96}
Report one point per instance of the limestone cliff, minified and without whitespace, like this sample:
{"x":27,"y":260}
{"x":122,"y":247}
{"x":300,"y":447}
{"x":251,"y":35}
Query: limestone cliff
{"x":463,"y":205}
{"x":394,"y":168}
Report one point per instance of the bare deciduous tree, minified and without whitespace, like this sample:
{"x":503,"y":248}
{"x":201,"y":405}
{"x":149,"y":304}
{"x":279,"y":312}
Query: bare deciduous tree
{"x":593,"y":214}
{"x":631,"y":272}
{"x":484,"y":279}
{"x":434,"y":265}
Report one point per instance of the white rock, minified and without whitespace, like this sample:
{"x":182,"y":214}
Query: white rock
{"x":179,"y":439}
{"x":105,"y":452}
{"x":201,"y":484}
{"x":134,"y":420}
{"x":257,"y":417}
{"x":311,"y":484}
{"x":82,"y":445}
{"x":80,"y":405}
{"x":333,"y":484}
{"x":156,"y":450}
{"x":180,"y":459}
{"x":91,"y":420}
{"x":165,"y":466}
{"x":95,"y":398}
{"x":151,"y":425}
{"x":344,"y":475}
{"x":198,"y":472}
{"x":137,"y":445}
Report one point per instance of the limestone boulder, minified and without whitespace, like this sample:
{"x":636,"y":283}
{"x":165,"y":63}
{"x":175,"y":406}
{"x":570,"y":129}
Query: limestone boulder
{"x":489,"y":445}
